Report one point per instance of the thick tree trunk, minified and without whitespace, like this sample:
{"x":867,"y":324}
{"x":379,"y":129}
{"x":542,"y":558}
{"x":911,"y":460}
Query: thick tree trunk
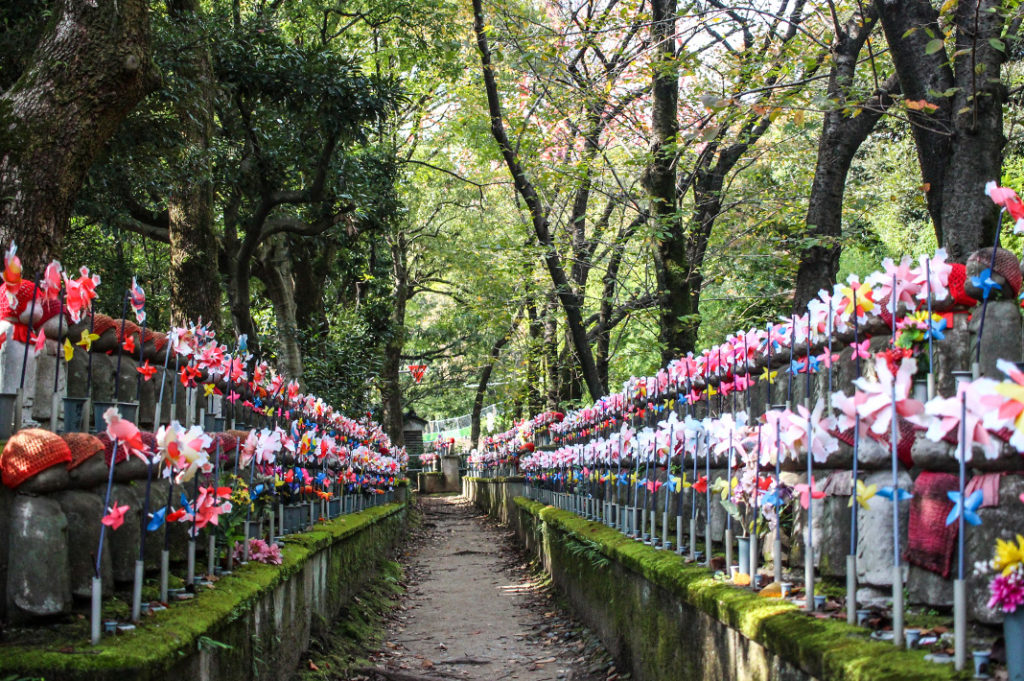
{"x":958,"y":130}
{"x":195,"y":292}
{"x":534,"y":357}
{"x":275,"y":271}
{"x":551,"y":354}
{"x":671,"y":266}
{"x":89,"y":70}
{"x":843,"y":130}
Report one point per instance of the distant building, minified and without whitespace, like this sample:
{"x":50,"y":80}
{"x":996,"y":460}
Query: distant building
{"x":412,"y":430}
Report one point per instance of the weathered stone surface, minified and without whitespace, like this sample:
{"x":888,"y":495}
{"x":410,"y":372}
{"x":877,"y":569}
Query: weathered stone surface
{"x":927,"y":588}
{"x":124,"y":541}
{"x":53,"y":479}
{"x":874,"y":532}
{"x":798,"y":540}
{"x":77,"y":373}
{"x":102,"y":377}
{"x":133,"y":468}
{"x":835,"y":535}
{"x":6,"y":501}
{"x":127,"y":381}
{"x":38,"y":583}
{"x":1002,"y":335}
{"x":83,"y":511}
{"x":92,"y":472}
{"x":1003,"y":522}
{"x":42,"y":387}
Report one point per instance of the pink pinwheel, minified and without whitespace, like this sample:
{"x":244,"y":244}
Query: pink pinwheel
{"x":115,"y":516}
{"x":907,"y":283}
{"x":860,"y":350}
{"x":939,"y":270}
{"x":1008,"y":199}
{"x":794,"y":432}
{"x":38,"y":342}
{"x":827,"y":359}
{"x":207,"y":510}
{"x":855,"y":290}
{"x":125,"y":433}
{"x":847,"y":408}
{"x":50,"y":283}
{"x":807,"y":492}
{"x":942,"y":416}
{"x":877,"y":408}
{"x":1009,"y":403}
{"x":80,"y":293}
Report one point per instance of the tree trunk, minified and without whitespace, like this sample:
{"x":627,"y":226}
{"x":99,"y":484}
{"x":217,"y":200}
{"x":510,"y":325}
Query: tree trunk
{"x":844,"y":128}
{"x":275,"y":271}
{"x":671,"y":266}
{"x":195,"y":292}
{"x":89,"y":70}
{"x":551,"y":354}
{"x":534,"y":357}
{"x":571,"y":300}
{"x":390,"y":388}
{"x":958,"y":131}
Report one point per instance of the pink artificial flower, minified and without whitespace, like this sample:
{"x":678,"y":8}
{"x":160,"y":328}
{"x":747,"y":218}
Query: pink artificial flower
{"x":1007,"y":592}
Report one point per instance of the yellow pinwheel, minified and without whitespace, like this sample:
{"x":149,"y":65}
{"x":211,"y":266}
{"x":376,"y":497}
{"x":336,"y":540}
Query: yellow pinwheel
{"x":69,"y":350}
{"x":208,"y":389}
{"x":769,"y":376}
{"x":87,"y":339}
{"x":864,"y":493}
{"x":723,"y":487}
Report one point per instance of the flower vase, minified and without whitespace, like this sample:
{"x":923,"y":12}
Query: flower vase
{"x":744,"y":554}
{"x":1013,"y":633}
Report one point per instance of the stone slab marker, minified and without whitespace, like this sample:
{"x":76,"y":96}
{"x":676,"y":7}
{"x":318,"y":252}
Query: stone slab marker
{"x":38,"y":582}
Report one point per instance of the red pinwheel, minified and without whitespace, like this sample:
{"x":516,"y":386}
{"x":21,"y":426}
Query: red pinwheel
{"x":115,"y":516}
{"x":147,"y":370}
{"x":701,"y":486}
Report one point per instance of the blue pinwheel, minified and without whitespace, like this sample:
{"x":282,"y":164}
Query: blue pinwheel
{"x":256,"y":491}
{"x":813,"y":364}
{"x":623,"y":480}
{"x":157,"y":520}
{"x":935,"y":329}
{"x":671,"y":483}
{"x":968,"y":509}
{"x":187,"y":506}
{"x":986,"y":283}
{"x":796,"y":366}
{"x":640,"y":483}
{"x":773,"y":498}
{"x":899,"y":492}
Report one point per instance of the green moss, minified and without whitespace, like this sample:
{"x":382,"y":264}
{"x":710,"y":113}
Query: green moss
{"x":161,"y":640}
{"x":825,"y":649}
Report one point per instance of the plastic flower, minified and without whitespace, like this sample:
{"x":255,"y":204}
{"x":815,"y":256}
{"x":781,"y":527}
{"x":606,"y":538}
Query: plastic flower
{"x":1007,"y":592}
{"x":1009,"y":555}
{"x":864,"y":494}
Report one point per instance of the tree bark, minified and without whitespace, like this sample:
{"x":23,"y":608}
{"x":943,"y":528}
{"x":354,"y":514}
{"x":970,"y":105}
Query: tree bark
{"x":91,"y":67}
{"x":195,"y":293}
{"x":959,"y":132}
{"x":275,"y":270}
{"x":675,"y":329}
{"x":391,"y":389}
{"x":570,"y":299}
{"x":844,"y":128}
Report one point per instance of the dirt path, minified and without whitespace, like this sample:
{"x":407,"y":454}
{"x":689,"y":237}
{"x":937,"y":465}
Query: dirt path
{"x":473,"y":611}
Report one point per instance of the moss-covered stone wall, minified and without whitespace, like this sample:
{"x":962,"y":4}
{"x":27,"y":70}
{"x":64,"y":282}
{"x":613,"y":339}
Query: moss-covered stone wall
{"x":665,"y":619}
{"x":255,"y":623}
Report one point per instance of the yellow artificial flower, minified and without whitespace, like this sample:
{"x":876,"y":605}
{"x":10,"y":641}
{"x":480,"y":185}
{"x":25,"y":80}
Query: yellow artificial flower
{"x":1009,"y":555}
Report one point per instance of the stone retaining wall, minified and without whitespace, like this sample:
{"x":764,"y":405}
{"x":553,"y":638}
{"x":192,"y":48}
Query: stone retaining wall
{"x":255,"y":623}
{"x":664,"y":619}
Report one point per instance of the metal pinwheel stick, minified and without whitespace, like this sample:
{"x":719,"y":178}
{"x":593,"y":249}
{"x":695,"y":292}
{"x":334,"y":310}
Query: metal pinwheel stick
{"x":809,"y":545}
{"x":851,"y":558}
